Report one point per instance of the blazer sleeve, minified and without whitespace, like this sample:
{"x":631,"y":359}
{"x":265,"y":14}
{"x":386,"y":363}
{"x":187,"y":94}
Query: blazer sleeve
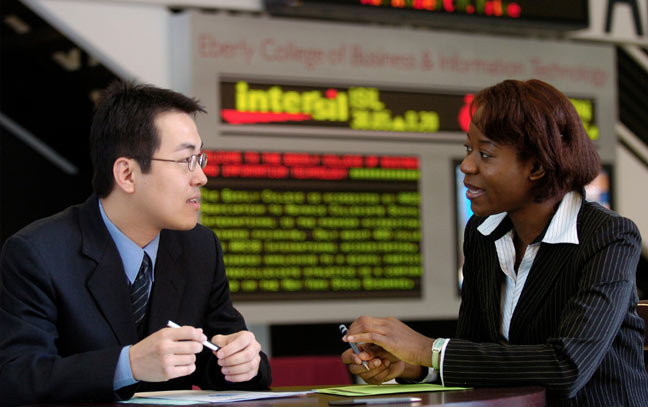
{"x":31,"y":366}
{"x":589,"y":323}
{"x":223,"y":318}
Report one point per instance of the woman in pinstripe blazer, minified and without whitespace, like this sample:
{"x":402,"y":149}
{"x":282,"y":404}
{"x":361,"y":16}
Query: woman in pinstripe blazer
{"x":549,"y":295}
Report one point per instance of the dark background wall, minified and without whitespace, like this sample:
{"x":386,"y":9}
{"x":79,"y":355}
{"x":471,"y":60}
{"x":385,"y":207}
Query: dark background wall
{"x":47,"y":86}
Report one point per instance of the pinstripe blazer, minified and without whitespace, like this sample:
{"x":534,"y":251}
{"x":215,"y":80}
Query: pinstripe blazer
{"x":575,"y":330}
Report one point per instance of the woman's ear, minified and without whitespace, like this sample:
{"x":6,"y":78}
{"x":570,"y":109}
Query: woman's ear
{"x":123,"y":171}
{"x":537,"y":172}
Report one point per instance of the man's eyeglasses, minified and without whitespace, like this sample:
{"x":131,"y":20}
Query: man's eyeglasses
{"x":191,"y":161}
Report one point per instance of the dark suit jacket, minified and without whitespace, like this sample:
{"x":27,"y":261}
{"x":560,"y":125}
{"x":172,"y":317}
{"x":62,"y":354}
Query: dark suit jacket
{"x":65,"y":310}
{"x":575,"y":330}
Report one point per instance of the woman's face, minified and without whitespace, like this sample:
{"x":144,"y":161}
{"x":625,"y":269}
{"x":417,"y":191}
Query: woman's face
{"x":496,"y":179}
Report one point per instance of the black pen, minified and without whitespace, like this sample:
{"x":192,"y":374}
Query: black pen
{"x":344,"y":331}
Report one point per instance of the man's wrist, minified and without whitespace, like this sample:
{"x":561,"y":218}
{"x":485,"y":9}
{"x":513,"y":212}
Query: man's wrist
{"x":123,"y":373}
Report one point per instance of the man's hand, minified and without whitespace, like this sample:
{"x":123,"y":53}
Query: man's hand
{"x":166,"y":354}
{"x":238,"y":355}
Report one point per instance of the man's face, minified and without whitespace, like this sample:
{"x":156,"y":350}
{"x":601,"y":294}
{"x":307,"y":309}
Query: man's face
{"x":168,"y":196}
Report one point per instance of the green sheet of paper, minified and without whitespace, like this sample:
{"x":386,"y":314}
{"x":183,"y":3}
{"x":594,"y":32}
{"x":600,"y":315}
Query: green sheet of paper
{"x":377,"y":389}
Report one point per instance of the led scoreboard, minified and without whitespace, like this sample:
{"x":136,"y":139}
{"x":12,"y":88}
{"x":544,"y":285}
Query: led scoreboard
{"x":305,"y":226}
{"x":362,"y":108}
{"x":353,"y":107}
{"x":497,"y":14}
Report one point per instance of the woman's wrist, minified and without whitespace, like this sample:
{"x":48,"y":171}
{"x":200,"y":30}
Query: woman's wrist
{"x":413,"y":372}
{"x":425,"y":358}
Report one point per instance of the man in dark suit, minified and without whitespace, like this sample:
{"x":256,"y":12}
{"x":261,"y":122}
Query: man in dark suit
{"x":85,"y":295}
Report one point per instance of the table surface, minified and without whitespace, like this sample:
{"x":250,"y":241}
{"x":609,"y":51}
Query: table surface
{"x":482,"y":397}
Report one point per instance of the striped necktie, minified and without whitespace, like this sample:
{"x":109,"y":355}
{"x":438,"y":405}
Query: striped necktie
{"x":139,"y":291}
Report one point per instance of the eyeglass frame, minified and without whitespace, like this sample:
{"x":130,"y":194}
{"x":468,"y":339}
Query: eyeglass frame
{"x":191,"y":161}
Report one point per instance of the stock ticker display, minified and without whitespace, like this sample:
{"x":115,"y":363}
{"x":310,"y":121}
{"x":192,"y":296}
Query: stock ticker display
{"x":358,"y":108}
{"x":318,"y":226}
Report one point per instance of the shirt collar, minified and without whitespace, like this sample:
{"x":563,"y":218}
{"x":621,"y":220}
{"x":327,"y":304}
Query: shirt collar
{"x":563,"y":225}
{"x":131,"y":254}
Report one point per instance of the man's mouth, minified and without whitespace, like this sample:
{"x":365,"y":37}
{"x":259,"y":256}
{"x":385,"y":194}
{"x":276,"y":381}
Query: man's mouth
{"x":194,"y":201}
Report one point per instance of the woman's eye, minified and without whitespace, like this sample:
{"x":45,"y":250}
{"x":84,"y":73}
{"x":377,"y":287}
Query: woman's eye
{"x":484,"y":155}
{"x":468,"y":148}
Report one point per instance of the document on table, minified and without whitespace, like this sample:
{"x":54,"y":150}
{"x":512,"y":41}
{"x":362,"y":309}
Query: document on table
{"x":377,"y":389}
{"x":208,"y":396}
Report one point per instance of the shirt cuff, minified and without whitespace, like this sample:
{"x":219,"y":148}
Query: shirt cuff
{"x":443,"y":349}
{"x":431,"y":376}
{"x":123,"y":373}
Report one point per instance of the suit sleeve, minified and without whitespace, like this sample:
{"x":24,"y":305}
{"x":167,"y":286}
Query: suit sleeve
{"x":31,"y":366}
{"x":589,"y":323}
{"x":223,"y":318}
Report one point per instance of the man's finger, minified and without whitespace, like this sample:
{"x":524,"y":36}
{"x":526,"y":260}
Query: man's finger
{"x":231,"y":344}
{"x":185,"y":333}
{"x":244,"y":356}
{"x":241,"y":368}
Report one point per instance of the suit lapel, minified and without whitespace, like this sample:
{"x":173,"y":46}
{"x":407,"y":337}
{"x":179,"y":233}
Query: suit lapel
{"x":492,"y":277}
{"x":549,"y":263}
{"x":107,"y":283}
{"x":492,"y":292}
{"x":168,"y":285}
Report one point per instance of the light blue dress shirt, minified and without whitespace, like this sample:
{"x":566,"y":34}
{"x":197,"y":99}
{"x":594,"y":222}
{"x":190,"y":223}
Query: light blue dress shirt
{"x":131,"y":255}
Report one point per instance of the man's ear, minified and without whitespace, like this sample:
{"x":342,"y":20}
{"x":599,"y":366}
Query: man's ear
{"x":537,"y":172}
{"x":123,"y":171}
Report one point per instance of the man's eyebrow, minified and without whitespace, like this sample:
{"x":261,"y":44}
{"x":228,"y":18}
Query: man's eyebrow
{"x":187,"y":146}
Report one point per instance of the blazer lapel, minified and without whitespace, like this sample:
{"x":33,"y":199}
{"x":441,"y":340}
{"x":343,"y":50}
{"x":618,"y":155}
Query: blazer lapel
{"x":492,"y":292}
{"x":107,"y":284}
{"x":168,"y":285}
{"x":549,"y":262}
{"x":492,"y":278}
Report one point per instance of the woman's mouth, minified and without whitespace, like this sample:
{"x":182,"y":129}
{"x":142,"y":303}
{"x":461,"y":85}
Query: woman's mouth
{"x":474,"y":192}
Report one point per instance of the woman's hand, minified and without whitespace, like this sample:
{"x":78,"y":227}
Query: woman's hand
{"x":395,"y":338}
{"x":383,"y":366}
{"x":380,"y":370}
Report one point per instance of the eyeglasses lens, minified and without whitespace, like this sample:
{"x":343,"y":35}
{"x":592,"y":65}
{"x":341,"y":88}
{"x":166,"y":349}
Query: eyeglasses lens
{"x":200,"y":158}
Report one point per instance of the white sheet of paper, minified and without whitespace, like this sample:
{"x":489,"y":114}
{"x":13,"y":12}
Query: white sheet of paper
{"x":211,"y":396}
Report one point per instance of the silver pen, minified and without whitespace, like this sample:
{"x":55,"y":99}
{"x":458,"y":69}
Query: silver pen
{"x":375,"y":400}
{"x":344,"y":331}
